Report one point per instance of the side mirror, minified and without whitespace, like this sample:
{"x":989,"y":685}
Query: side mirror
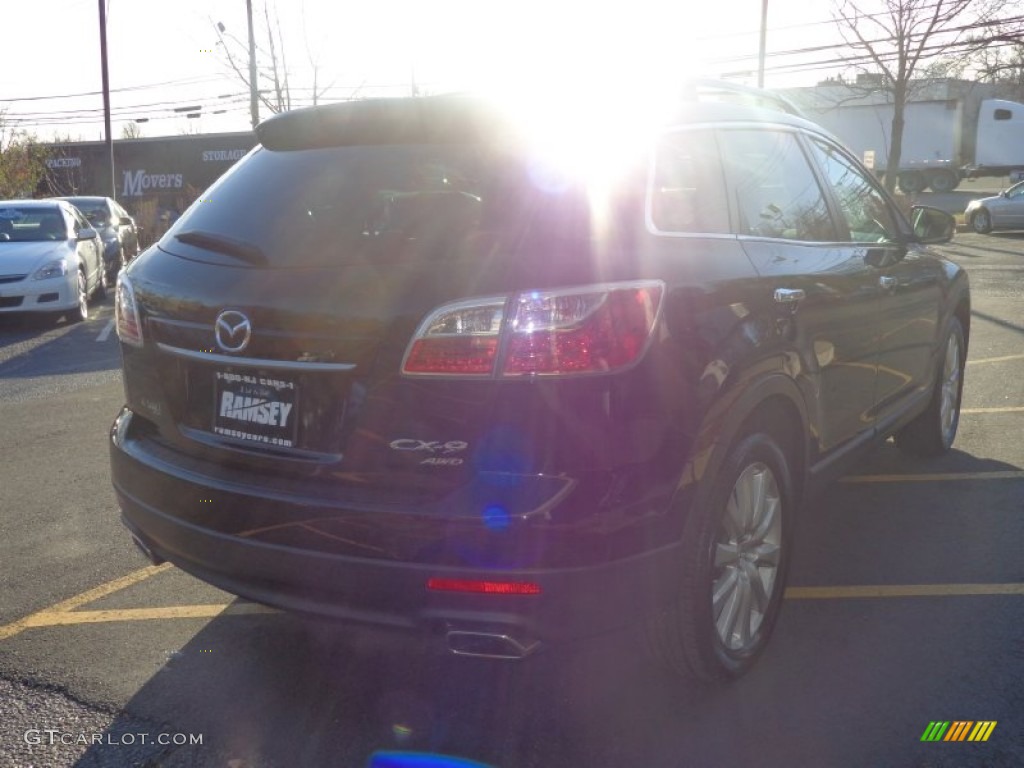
{"x":932,"y":225}
{"x":126,"y":221}
{"x":86,"y":234}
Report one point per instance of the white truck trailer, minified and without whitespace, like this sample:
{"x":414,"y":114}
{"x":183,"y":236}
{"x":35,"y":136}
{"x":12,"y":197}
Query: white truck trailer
{"x":953,"y":129}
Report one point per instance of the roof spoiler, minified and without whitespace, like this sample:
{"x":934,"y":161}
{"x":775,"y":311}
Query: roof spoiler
{"x":721,"y":90}
{"x":447,"y":118}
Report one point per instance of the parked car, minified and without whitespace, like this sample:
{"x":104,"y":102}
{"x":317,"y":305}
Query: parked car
{"x":50,"y":259}
{"x":411,"y":369}
{"x":1004,"y":211}
{"x":116,"y":228}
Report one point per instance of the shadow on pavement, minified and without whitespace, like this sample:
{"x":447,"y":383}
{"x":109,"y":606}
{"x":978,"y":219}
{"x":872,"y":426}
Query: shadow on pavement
{"x":273,"y":690}
{"x":305,"y":693}
{"x":71,"y":349}
{"x":997,"y":321}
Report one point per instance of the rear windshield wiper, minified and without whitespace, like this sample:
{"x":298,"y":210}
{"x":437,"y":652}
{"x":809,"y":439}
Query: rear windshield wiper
{"x":221,"y":244}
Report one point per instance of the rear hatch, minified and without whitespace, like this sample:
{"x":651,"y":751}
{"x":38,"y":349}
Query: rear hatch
{"x":278,"y":313}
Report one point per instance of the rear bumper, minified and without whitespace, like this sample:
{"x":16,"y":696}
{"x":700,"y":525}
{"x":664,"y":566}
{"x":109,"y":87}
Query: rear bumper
{"x":573,"y":601}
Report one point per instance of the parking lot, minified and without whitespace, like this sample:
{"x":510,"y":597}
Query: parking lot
{"x":905,"y":607}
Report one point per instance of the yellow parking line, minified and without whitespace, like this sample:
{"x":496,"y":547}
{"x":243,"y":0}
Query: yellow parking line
{"x":1003,"y":409}
{"x":1002,"y":359}
{"x":62,"y":614}
{"x":63,"y":618}
{"x":902,"y":590}
{"x":12,"y":629}
{"x":935,"y":477}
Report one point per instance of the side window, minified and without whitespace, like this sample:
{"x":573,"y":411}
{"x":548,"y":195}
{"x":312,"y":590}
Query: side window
{"x":687,"y":192}
{"x":1016,"y":191}
{"x":79,"y":222}
{"x":777,"y":194}
{"x":865,"y":210}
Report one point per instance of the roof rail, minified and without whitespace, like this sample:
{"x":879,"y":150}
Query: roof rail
{"x":721,"y":90}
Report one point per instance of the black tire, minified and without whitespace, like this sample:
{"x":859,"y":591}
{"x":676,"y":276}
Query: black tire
{"x":81,"y":312}
{"x":104,"y":284}
{"x":943,"y":181}
{"x":115,"y":267}
{"x":932,"y":433}
{"x":981,"y":221}
{"x":694,"y":637}
{"x":911,"y":182}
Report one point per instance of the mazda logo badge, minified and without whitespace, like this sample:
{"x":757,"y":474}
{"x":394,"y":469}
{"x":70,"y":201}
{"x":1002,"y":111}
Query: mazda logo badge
{"x":232,"y":330}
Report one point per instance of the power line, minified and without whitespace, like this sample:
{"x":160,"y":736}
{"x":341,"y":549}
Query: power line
{"x":877,"y":41}
{"x":801,"y":25}
{"x":168,"y":83}
{"x":135,"y":108}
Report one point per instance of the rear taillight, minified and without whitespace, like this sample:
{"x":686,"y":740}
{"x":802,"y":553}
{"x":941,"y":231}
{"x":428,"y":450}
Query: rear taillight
{"x":592,"y":329}
{"x":458,"y":338}
{"x":126,"y":311}
{"x":585,"y":331}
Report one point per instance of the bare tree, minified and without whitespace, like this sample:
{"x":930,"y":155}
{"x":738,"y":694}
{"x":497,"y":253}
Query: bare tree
{"x":273,"y":76}
{"x":902,"y":39}
{"x":1004,"y":66}
{"x":131,"y":131}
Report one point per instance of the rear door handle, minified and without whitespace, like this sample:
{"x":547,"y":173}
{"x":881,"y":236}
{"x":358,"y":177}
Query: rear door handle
{"x":790,"y":296}
{"x":888,"y":282}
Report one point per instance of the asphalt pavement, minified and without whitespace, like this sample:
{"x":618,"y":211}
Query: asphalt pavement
{"x":905,"y":608}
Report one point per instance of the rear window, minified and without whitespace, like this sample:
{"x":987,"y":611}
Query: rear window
{"x":325,"y":206}
{"x":95,"y":211}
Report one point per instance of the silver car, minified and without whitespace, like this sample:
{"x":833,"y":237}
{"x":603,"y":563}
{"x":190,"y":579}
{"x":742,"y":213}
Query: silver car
{"x":51,"y":259}
{"x":1005,"y":211}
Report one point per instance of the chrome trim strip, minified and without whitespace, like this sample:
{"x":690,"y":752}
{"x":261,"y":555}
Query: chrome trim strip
{"x":253,"y":362}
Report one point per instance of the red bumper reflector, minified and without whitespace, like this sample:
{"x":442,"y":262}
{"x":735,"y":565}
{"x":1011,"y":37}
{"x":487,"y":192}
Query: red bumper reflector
{"x":484,"y":587}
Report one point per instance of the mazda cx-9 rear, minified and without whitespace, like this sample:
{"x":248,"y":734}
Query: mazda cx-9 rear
{"x":401,"y":365}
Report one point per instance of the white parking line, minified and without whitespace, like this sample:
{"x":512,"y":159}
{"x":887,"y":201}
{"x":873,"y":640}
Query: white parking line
{"x":105,"y":333}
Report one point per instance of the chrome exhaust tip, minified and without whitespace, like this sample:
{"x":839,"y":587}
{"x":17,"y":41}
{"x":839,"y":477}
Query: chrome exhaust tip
{"x":489,"y":645}
{"x":153,"y":558}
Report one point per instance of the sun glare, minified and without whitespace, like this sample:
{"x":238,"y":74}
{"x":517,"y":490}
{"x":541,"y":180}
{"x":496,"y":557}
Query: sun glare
{"x":586,"y":83}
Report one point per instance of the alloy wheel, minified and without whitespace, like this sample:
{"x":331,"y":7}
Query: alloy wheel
{"x":747,"y":557}
{"x":950,"y":388}
{"x":83,"y":296}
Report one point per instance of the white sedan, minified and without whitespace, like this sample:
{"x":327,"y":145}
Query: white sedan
{"x":1005,"y":211}
{"x":51,"y":259}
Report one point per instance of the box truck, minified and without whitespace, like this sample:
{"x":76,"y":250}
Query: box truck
{"x":953,"y":129}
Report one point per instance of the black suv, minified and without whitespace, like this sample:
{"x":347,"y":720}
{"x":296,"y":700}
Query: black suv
{"x":402,"y":366}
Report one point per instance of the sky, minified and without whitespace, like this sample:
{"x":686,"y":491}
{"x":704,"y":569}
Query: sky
{"x":164,"y":54}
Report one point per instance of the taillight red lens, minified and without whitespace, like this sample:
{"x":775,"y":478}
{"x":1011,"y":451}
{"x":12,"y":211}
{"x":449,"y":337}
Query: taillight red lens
{"x":594,"y":329}
{"x":556,"y":333}
{"x":458,"y":338}
{"x":484,"y":587}
{"x":126,"y":313}
{"x":469,"y":354}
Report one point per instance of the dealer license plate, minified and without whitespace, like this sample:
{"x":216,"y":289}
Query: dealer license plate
{"x":259,"y":409}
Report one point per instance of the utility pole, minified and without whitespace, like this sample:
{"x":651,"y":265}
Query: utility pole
{"x":761,"y":47}
{"x":106,"y":94}
{"x":254,"y":104}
